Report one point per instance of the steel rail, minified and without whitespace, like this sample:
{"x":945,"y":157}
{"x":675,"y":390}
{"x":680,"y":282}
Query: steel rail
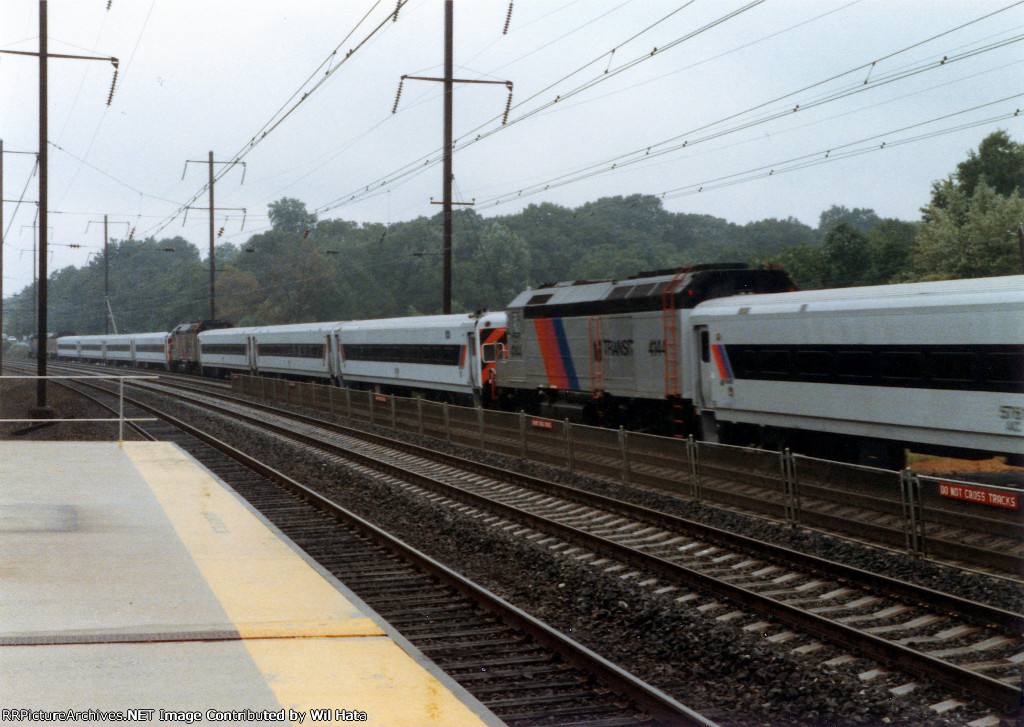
{"x":1010,"y":622}
{"x":662,"y":708}
{"x":1002,"y":695}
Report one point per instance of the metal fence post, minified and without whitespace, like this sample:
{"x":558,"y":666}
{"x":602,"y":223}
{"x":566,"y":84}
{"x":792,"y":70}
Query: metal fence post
{"x":394,"y":418}
{"x":910,"y":501}
{"x":522,"y":435}
{"x":330,"y":399}
{"x":419,"y":414}
{"x":370,"y":396}
{"x":787,"y":464}
{"x":120,"y":409}
{"x":693,"y":460}
{"x":447,"y":424}
{"x":570,"y":449}
{"x":480,"y":426}
{"x":624,"y":452}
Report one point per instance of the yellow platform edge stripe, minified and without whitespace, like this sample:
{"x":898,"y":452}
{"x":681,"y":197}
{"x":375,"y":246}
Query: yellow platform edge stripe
{"x":304,"y":670}
{"x":259,"y":580}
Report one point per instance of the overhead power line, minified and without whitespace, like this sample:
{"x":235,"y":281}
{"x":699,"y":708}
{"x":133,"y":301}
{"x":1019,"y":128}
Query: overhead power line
{"x":688,"y":140}
{"x":285,"y":111}
{"x":842,"y":151}
{"x":645,"y":153}
{"x":431,"y":159}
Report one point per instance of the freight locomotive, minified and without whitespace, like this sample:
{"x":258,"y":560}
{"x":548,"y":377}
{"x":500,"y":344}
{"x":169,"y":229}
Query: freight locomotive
{"x":725,"y":353}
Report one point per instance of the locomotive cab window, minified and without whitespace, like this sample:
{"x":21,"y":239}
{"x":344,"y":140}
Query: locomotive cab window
{"x":493,"y":351}
{"x":705,"y":347}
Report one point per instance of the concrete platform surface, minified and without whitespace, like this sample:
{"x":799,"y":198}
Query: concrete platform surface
{"x":131,"y":578}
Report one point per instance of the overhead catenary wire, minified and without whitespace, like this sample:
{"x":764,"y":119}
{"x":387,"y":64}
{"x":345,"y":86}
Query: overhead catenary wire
{"x":285,"y":111}
{"x":21,"y":200}
{"x":431,"y":159}
{"x":688,"y":140}
{"x":842,"y":151}
{"x":110,"y":97}
{"x":426,"y":162}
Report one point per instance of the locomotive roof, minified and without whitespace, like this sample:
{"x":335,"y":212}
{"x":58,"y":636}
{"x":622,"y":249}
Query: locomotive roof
{"x":647,"y":291}
{"x":198,"y":326}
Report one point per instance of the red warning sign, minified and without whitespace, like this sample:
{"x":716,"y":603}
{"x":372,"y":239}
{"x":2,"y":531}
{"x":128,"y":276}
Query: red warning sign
{"x":981,"y":495}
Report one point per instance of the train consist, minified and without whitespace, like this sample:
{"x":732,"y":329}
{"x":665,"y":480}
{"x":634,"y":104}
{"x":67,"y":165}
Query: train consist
{"x":726,"y":353}
{"x":450,"y":357}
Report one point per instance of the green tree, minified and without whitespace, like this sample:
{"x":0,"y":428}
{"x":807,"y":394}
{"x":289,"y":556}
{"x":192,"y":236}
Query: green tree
{"x":840,"y":261}
{"x":860,"y":219}
{"x":999,"y":161}
{"x":491,"y":265}
{"x":290,"y":215}
{"x":888,"y":248}
{"x":771,"y":236}
{"x":968,"y":236}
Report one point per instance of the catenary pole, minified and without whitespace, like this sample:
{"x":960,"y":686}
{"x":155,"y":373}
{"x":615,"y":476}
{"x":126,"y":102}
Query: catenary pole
{"x":41,"y":331}
{"x":449,"y":43}
{"x":213,"y":315}
{"x":1,"y":257}
{"x":106,"y":278}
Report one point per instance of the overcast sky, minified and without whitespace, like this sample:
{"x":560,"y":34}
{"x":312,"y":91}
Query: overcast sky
{"x":738,"y":109}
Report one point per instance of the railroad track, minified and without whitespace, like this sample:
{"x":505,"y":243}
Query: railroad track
{"x":860,"y":504}
{"x":785,"y":595}
{"x":524,"y":671}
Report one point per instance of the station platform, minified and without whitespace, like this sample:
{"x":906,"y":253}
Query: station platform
{"x":136,"y":586}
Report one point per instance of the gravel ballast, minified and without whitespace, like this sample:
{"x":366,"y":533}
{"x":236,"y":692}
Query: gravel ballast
{"x":708,"y":664}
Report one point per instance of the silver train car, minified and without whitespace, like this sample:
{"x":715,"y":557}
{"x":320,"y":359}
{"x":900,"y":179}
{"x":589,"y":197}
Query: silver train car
{"x":449,"y":357}
{"x":861,"y":373}
{"x":145,"y":350}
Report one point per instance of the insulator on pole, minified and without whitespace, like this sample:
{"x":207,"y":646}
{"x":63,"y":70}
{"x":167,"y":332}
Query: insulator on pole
{"x":113,"y":83}
{"x":508,"y":18}
{"x":398,"y":95}
{"x":508,"y":105}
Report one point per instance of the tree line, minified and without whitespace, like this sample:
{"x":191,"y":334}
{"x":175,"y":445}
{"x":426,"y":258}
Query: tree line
{"x":303,"y":269}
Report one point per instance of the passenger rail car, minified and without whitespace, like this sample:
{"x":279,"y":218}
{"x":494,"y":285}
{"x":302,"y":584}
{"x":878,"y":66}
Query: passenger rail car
{"x":145,"y":350}
{"x":449,"y":357}
{"x":300,"y":351}
{"x":152,"y":350}
{"x":860,"y":373}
